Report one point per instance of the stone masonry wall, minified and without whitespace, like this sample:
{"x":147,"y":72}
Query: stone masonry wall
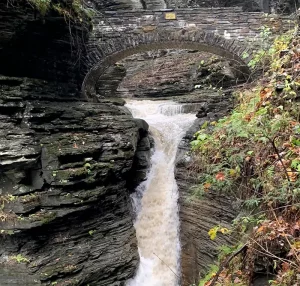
{"x":221,"y":31}
{"x":232,"y":23}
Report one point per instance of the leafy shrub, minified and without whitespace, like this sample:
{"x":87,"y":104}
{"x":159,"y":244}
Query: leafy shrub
{"x":254,"y":154}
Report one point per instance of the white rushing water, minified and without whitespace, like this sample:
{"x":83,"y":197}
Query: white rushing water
{"x":155,"y":200}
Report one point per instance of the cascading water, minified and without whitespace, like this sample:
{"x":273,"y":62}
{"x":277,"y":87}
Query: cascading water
{"x":155,"y":200}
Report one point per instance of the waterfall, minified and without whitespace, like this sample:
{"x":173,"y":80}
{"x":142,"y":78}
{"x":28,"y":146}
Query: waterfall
{"x":155,"y":200}
{"x":171,"y":109}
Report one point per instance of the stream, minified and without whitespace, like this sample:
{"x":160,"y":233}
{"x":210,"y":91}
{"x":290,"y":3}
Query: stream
{"x":155,"y":200}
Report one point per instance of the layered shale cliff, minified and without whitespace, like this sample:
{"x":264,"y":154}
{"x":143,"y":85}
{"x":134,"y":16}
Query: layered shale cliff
{"x":65,"y":164}
{"x":65,"y":207}
{"x":199,"y":214}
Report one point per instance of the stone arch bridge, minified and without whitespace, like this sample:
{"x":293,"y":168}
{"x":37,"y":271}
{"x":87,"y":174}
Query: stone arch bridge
{"x":227,"y":32}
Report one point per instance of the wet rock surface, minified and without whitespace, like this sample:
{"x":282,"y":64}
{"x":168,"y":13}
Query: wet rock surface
{"x":278,"y":6}
{"x":252,"y":5}
{"x":65,"y":214}
{"x":199,"y":215}
{"x":44,"y":47}
{"x":142,"y":156}
{"x":67,"y":166}
{"x":170,"y":73}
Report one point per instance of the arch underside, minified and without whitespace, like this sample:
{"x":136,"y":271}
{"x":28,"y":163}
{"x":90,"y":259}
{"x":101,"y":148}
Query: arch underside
{"x":105,"y":55}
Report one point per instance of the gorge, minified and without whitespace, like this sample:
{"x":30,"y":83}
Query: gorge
{"x":77,"y":147}
{"x":155,"y":200}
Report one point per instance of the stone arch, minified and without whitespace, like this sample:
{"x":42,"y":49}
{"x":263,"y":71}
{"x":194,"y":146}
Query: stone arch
{"x":101,"y":56}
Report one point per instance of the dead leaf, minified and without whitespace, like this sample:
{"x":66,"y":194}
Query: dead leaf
{"x":207,"y":186}
{"x":285,"y":266}
{"x":292,"y":175}
{"x":220,"y":176}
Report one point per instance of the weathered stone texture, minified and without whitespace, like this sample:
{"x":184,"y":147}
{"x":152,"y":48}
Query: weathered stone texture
{"x":247,"y":5}
{"x":198,"y":216}
{"x":100,"y":59}
{"x":284,"y":6}
{"x":225,"y":32}
{"x":45,"y":48}
{"x":107,"y":5}
{"x":172,"y":73}
{"x":64,"y":202}
{"x":229,"y":22}
{"x":66,"y":165}
{"x":279,"y":6}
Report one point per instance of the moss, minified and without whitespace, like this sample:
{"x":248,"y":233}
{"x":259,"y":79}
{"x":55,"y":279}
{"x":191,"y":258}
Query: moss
{"x":47,"y":218}
{"x":91,"y":194}
{"x":19,"y":258}
{"x":6,"y":232}
{"x":87,"y":166}
{"x":7,"y":216}
{"x":70,"y":174}
{"x":91,"y":232}
{"x":99,"y":166}
{"x":73,"y":10}
{"x":41,"y":5}
{"x":29,"y":198}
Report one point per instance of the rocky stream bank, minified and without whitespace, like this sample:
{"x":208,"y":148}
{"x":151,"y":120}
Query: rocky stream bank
{"x":65,"y":169}
{"x":68,"y":166}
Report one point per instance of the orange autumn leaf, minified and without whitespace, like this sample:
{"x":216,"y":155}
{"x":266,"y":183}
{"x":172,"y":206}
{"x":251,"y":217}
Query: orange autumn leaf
{"x":265,"y":93}
{"x":293,"y":123}
{"x":285,"y":266}
{"x":292,"y":175}
{"x":260,"y":229}
{"x":249,"y":116}
{"x":206,"y":186}
{"x":220,"y":176}
{"x":75,"y":146}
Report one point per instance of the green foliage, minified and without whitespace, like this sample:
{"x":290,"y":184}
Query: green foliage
{"x":252,"y":203}
{"x":11,"y":198}
{"x":246,"y":223}
{"x":4,"y":232}
{"x":261,"y":55}
{"x":224,"y":147}
{"x":77,"y":11}
{"x":41,"y":5}
{"x":73,"y":10}
{"x":213,"y":231}
{"x":296,"y":164}
{"x":20,"y":258}
{"x":245,"y":55}
{"x":253,"y":154}
{"x":87,"y":166}
{"x":212,"y":272}
{"x":269,"y":49}
{"x":226,"y":250}
{"x":92,"y":231}
{"x":48,"y":217}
